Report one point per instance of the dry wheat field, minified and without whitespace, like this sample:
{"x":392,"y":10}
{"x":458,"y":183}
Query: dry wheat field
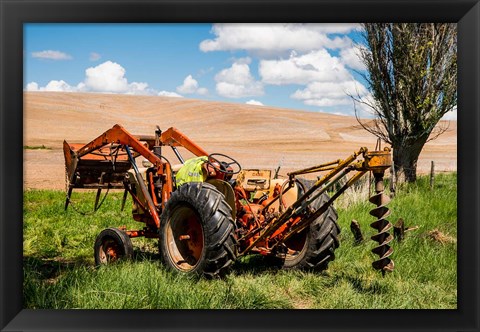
{"x":257,"y":136}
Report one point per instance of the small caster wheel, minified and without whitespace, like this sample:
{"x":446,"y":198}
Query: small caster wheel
{"x":111,"y":245}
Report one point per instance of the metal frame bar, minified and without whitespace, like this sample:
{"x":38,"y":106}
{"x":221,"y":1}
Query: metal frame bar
{"x":297,"y":214}
{"x":151,"y":208}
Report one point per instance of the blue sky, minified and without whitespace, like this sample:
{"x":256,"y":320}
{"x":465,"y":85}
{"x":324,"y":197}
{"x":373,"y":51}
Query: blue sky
{"x":301,"y":66}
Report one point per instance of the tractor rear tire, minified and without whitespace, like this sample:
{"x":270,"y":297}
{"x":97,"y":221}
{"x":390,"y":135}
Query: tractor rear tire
{"x":197,"y":231}
{"x":314,"y":247}
{"x":112,"y":244}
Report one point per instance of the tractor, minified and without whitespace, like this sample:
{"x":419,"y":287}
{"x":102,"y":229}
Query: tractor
{"x":207,"y":211}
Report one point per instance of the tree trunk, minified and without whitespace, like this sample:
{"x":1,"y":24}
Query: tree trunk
{"x":405,"y":158}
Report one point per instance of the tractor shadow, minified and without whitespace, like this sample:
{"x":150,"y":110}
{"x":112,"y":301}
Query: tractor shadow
{"x":255,"y":265}
{"x":49,"y":269}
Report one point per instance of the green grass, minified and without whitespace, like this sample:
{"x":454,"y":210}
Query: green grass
{"x":36,"y":147}
{"x":59,"y":271}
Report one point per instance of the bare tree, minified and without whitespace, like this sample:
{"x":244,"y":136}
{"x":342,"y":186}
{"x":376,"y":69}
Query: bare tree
{"x":412,"y":75}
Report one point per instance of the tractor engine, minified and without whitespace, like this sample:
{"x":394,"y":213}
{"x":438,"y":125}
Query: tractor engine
{"x":255,"y":199}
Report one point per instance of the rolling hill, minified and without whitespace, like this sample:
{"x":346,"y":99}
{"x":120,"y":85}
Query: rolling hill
{"x":257,"y":136}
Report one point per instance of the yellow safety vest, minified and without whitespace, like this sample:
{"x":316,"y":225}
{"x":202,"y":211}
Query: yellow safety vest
{"x":191,"y":171}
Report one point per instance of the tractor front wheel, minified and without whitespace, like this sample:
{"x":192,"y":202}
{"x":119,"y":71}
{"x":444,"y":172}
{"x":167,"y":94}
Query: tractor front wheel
{"x":112,"y":244}
{"x":197,"y":231}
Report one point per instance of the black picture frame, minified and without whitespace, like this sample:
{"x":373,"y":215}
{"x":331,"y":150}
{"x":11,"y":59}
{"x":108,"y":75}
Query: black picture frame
{"x":16,"y":13}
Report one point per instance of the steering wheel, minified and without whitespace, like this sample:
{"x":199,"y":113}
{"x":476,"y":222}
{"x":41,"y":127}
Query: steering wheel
{"x":213,"y":158}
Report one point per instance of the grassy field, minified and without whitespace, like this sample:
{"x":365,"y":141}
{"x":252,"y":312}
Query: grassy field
{"x":59,"y":271}
{"x":36,"y":147}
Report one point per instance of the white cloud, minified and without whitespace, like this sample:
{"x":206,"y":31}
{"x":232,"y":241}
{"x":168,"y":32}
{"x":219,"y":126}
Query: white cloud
{"x":190,"y":85}
{"x":335,"y":28}
{"x":32,"y":86}
{"x":107,"y":77}
{"x":139,"y":88}
{"x":451,"y":116}
{"x":328,"y":94}
{"x":51,"y":55}
{"x":110,"y":77}
{"x":254,"y":102}
{"x":362,"y":107}
{"x":202,"y":91}
{"x":276,"y":38}
{"x":328,"y":102}
{"x":169,"y":94}
{"x":350,"y":58}
{"x":326,"y":81}
{"x":58,"y":86}
{"x":54,"y":85}
{"x":333,"y":90}
{"x":94,"y":56}
{"x":242,"y":61}
{"x":317,"y":65}
{"x":291,"y":54}
{"x":81,"y":87}
{"x":237,"y":82}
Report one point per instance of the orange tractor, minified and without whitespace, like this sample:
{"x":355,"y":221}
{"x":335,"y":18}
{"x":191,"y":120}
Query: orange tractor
{"x":207,"y":211}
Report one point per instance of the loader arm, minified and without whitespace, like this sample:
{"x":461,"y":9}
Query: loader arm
{"x":100,"y":169}
{"x":173,"y":137}
{"x":117,"y":134}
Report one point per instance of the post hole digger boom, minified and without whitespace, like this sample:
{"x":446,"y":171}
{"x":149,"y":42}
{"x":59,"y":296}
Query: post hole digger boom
{"x":208,"y":211}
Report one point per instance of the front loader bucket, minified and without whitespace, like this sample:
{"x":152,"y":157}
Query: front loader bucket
{"x":96,"y":169}
{"x":104,"y":168}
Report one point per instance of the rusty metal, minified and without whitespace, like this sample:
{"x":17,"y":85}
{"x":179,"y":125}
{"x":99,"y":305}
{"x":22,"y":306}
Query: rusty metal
{"x":382,"y":225}
{"x":151,"y":208}
{"x":173,"y":137}
{"x":266,"y":223}
{"x":297,"y":216}
{"x":317,"y":168}
{"x":124,"y":199}
{"x":103,"y":170}
{"x":104,"y":162}
{"x":146,"y":232}
{"x":306,"y":220}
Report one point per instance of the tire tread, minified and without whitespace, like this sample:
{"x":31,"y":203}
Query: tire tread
{"x":218,"y":226}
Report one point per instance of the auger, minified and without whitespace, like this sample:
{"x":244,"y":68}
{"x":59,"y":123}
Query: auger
{"x":382,"y":225}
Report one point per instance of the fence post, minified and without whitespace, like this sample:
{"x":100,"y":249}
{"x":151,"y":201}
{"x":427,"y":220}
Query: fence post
{"x":357,"y":232}
{"x":432,"y":175}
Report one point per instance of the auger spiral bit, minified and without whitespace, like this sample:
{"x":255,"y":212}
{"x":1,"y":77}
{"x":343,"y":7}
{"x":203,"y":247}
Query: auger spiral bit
{"x":382,"y":225}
